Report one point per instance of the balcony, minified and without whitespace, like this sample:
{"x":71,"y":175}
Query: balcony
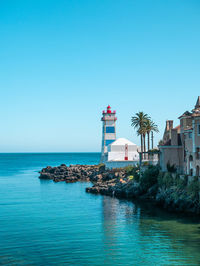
{"x":109,"y":118}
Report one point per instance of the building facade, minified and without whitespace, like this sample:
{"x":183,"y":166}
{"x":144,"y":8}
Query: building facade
{"x":171,"y":148}
{"x":181,"y":145}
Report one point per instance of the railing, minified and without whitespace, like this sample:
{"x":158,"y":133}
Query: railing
{"x":149,"y":157}
{"x":108,"y":118}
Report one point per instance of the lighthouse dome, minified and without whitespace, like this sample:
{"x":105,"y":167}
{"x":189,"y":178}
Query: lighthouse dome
{"x":109,"y":110}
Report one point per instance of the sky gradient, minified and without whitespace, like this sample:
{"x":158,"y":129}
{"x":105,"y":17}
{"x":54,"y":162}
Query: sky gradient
{"x":63,"y":62}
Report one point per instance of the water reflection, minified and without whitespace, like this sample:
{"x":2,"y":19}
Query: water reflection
{"x":109,"y":209}
{"x":149,"y":233}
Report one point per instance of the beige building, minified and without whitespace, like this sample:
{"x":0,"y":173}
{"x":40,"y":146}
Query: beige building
{"x":171,"y":148}
{"x":181,"y":145}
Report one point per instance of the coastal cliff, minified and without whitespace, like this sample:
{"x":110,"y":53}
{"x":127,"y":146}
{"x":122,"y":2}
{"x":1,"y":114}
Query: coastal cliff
{"x":167,"y":190}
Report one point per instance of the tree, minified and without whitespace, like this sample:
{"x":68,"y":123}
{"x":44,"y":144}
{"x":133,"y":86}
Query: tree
{"x":138,"y":122}
{"x":150,"y":127}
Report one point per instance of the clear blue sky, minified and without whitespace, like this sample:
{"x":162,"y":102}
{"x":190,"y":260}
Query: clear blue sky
{"x":62,"y":62}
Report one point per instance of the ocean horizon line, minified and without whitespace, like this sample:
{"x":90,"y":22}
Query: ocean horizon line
{"x":51,"y":152}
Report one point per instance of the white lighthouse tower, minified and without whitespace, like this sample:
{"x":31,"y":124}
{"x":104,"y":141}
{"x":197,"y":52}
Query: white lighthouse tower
{"x":109,"y":131}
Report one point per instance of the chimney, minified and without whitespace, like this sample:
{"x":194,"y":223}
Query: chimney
{"x":198,"y":103}
{"x":169,"y":124}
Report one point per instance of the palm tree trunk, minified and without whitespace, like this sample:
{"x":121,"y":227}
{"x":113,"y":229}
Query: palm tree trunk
{"x":152,"y":140}
{"x":141,"y":145}
{"x":148,"y":136}
{"x":144,"y":146}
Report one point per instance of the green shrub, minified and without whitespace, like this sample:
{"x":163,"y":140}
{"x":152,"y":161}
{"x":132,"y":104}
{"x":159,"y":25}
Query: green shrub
{"x":181,"y":183}
{"x":186,"y":180}
{"x":131,"y":177}
{"x":133,"y":171}
{"x":102,"y":167}
{"x":160,"y":178}
{"x":137,"y":176}
{"x":129,"y":169}
{"x":171,"y":168}
{"x":168,"y":180}
{"x":149,"y":177}
{"x":193,"y":189}
{"x":154,"y":151}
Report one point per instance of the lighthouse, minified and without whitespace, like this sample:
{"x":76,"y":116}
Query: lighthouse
{"x":109,"y":131}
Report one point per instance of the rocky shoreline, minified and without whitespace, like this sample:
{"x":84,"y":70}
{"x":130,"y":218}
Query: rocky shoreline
{"x":70,"y":174}
{"x":165,"y":190}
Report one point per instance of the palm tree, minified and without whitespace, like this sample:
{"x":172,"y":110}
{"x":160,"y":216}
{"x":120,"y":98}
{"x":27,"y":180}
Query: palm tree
{"x":144,"y":132}
{"x":150,"y":128}
{"x":152,"y":136}
{"x":140,"y":132}
{"x":138,"y":122}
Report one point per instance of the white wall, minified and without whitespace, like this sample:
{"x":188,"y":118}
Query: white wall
{"x":121,"y":148}
{"x":119,"y":156}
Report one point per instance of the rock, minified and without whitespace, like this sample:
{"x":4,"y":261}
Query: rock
{"x":45,"y":176}
{"x":74,"y":173}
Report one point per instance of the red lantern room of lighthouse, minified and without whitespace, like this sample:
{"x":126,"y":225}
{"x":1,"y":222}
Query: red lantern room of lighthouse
{"x":109,"y":110}
{"x":109,"y":131}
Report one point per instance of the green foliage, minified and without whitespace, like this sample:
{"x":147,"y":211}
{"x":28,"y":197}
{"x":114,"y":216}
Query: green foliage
{"x":154,"y":151}
{"x":129,"y":169}
{"x":193,"y":189}
{"x":131,"y":177}
{"x":185,"y":180}
{"x":143,"y":123}
{"x":168,"y":180}
{"x":139,"y":120}
{"x":133,"y":171}
{"x":116,"y":170}
{"x":102,"y":167}
{"x":181,"y":183}
{"x":151,"y":126}
{"x":171,"y":168}
{"x":160,"y":179}
{"x":149,"y":177}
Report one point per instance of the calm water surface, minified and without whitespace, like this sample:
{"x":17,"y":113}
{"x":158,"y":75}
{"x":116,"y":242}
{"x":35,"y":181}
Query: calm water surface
{"x":46,"y":223}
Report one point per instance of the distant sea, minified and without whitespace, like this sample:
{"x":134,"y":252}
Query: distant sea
{"x":47,"y":223}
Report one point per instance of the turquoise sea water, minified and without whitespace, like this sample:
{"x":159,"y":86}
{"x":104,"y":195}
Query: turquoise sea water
{"x":47,"y":223}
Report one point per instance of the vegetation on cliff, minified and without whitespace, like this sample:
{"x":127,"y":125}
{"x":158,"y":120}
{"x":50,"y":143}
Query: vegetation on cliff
{"x":169,"y":190}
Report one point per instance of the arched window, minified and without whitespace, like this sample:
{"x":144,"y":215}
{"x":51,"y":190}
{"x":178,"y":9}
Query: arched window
{"x":191,"y":172}
{"x":190,"y":165}
{"x":197,"y":171}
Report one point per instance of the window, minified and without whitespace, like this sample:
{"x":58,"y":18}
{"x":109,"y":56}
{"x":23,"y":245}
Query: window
{"x":190,"y":135}
{"x":110,"y":129}
{"x":109,"y":141}
{"x":190,"y":158}
{"x":197,"y":153}
{"x":198,"y":129}
{"x":191,"y":172}
{"x":197,"y":171}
